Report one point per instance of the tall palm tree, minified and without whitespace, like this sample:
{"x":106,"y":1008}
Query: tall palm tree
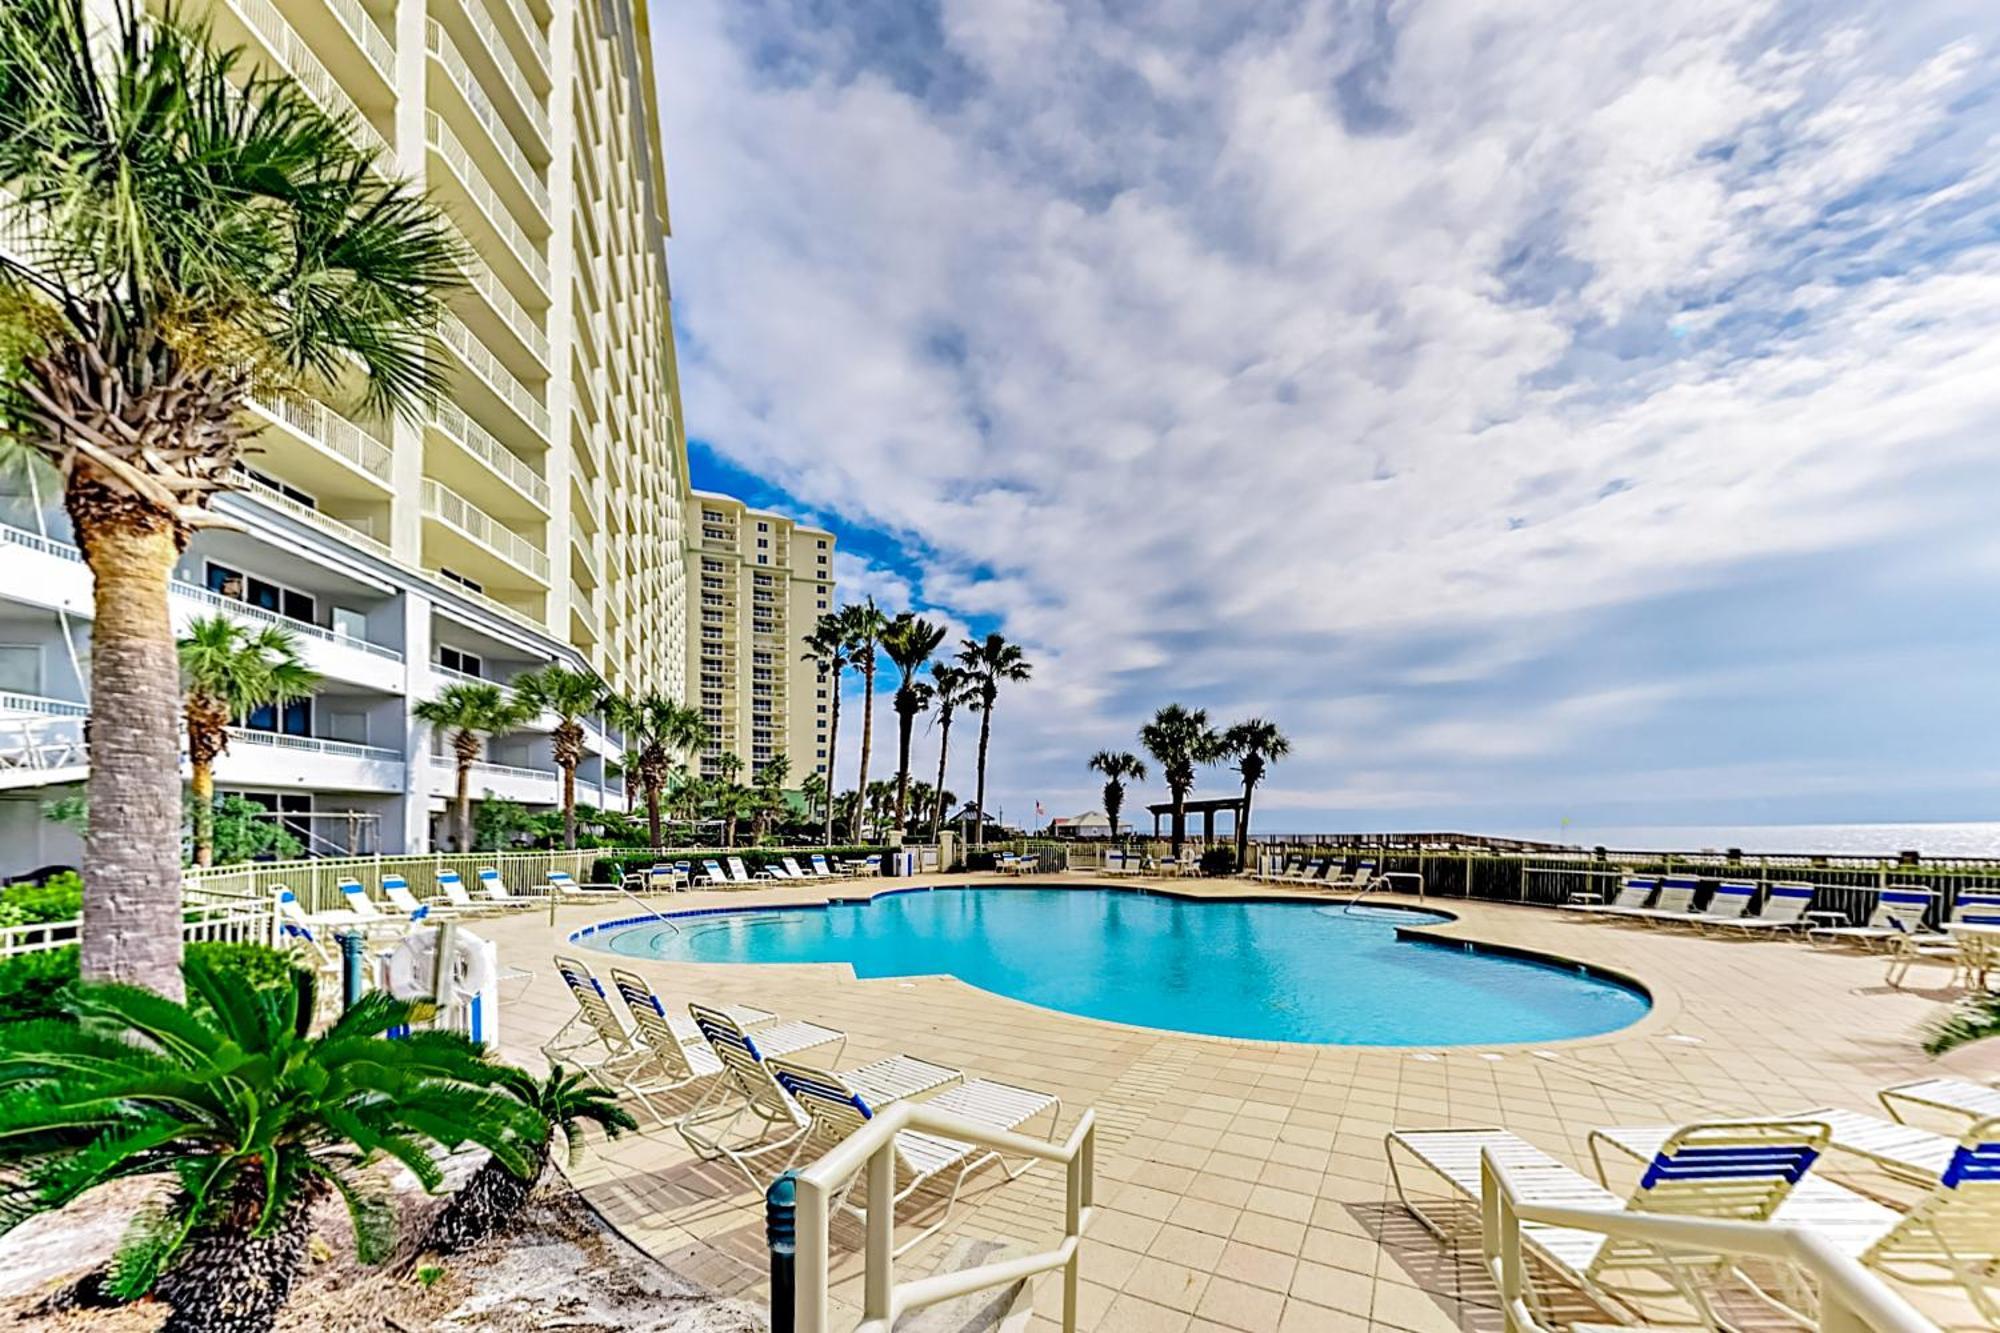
{"x":862,"y":626}
{"x":655,"y":727}
{"x":1180,"y":740}
{"x":196,"y":234}
{"x":909,"y":642}
{"x":988,"y":662}
{"x":826,"y":649}
{"x":769,"y":788}
{"x":951,"y":687}
{"x":1118,"y":768}
{"x":570,"y":695}
{"x":229,"y":670}
{"x":727,"y":796}
{"x":817,"y":794}
{"x":1254,"y":744}
{"x":469,"y":711}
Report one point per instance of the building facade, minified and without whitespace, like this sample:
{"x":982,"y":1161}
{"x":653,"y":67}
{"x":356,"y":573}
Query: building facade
{"x":533,"y":516}
{"x":761,"y":581}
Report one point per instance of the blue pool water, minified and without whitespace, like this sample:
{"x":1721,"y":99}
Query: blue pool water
{"x":1275,"y":971}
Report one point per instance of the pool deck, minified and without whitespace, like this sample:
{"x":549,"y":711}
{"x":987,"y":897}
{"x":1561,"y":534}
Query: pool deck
{"x":1242,"y":1184}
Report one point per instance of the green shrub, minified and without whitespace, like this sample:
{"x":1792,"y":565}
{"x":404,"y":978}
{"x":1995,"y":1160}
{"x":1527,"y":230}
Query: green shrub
{"x":1218,"y":861}
{"x":30,"y":982}
{"x":975,"y":862}
{"x":611,"y":869}
{"x":61,"y":899}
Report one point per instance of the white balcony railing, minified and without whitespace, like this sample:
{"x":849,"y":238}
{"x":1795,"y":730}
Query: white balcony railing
{"x":537,"y":42}
{"x":297,"y":59}
{"x":447,"y":146}
{"x":303,"y":628}
{"x":515,"y":315}
{"x":449,"y":764}
{"x":438,"y":42}
{"x":585,"y":613}
{"x":455,"y":511}
{"x":511,"y":72}
{"x":315,"y":745}
{"x":478,"y":442}
{"x":481,"y":361}
{"x":330,"y":431}
{"x":34,"y":541}
{"x":358,"y":531}
{"x":12,"y":701}
{"x":381,"y":52}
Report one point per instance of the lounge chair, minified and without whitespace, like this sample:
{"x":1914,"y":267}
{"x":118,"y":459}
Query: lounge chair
{"x":1312,"y":870}
{"x":1899,"y":910}
{"x":456,"y":899}
{"x":365,"y":913}
{"x":1731,"y":899}
{"x":794,"y":869}
{"x":820,"y":869}
{"x":397,"y":890}
{"x":1675,"y":902}
{"x":1784,"y":908}
{"x":1949,"y":1096}
{"x":298,"y":931}
{"x":1973,"y":955}
{"x":751,"y":1094}
{"x":835,"y":1108}
{"x":737,"y":874}
{"x":1634,"y":891}
{"x":594,"y":1038}
{"x":1361,"y":879}
{"x":496,"y":890}
{"x":713,"y":875}
{"x":1743,"y":1171}
{"x":1917,"y":1156}
{"x":674,"y":1054}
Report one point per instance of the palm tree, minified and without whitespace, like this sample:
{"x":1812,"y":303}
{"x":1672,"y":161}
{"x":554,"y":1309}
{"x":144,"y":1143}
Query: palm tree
{"x":1118,"y":768}
{"x":826,"y":649}
{"x":497,"y":1193}
{"x":768,"y":785}
{"x":248,"y":1120}
{"x":987,"y":662}
{"x":229,"y":670}
{"x":816,"y":793}
{"x":1254,"y":744}
{"x":197,"y":233}
{"x":951,"y":687}
{"x":862,"y":626}
{"x":655,"y":727}
{"x":881,"y":801}
{"x":469,"y":710}
{"x":909,"y":642}
{"x":570,"y":695}
{"x":1180,"y":740}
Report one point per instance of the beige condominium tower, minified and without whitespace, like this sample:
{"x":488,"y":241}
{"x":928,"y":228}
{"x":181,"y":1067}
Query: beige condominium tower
{"x":533,"y":516}
{"x":761,"y":580}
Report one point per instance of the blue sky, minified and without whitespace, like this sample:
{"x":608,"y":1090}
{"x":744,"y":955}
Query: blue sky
{"x":1584,"y":411}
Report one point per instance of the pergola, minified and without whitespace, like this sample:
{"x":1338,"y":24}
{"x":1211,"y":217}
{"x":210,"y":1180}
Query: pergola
{"x":1207,"y":809}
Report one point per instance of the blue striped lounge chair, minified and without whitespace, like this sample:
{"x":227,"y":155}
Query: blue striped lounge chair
{"x":737,"y":873}
{"x":495,"y":889}
{"x":1945,"y":1095}
{"x":397,"y":890}
{"x":1742,"y":1171}
{"x":836,"y":1107}
{"x":820,"y":869}
{"x":1634,"y":892}
{"x":1785,"y":907}
{"x":457,"y":899}
{"x":1899,"y":910}
{"x":1675,"y":903}
{"x":296,"y":931}
{"x":666,"y":1053}
{"x":713,"y":875}
{"x":363,"y":911}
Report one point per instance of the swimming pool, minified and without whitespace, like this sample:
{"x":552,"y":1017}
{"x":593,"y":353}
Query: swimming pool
{"x":1270,"y":970}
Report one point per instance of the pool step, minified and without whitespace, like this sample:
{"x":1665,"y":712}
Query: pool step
{"x":999,"y":1310}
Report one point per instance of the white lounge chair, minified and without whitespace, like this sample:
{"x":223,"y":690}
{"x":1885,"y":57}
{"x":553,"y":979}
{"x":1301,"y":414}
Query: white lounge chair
{"x":452,"y":886}
{"x":713,"y":875}
{"x":1945,"y":1095}
{"x":674,"y":1054}
{"x":366,"y":914}
{"x":752,"y":1096}
{"x":737,"y":874}
{"x":1731,"y":899}
{"x":794,"y":869}
{"x":820,"y":869}
{"x":1315,"y":869}
{"x":1743,"y":1171}
{"x":299,"y":931}
{"x":835,"y":1108}
{"x":1784,"y":908}
{"x":1674,"y":903}
{"x":1899,"y":910}
{"x":1360,"y":879}
{"x":594,"y":1039}
{"x":496,"y":890}
{"x":1634,"y":892}
{"x":397,"y":890}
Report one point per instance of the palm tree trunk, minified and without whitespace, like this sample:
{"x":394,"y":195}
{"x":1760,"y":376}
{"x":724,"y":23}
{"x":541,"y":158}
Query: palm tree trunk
{"x":569,"y":806}
{"x":1114,"y":801}
{"x":1243,"y":826}
{"x":833,"y":764}
{"x":944,"y":742}
{"x":905,"y":722}
{"x":979,"y":800}
{"x":203,"y":787}
{"x":1180,"y":821}
{"x":488,"y":1203}
{"x":231,"y":1281}
{"x":867,"y":728}
{"x":653,"y":814}
{"x":132,"y":852}
{"x":464,"y":805}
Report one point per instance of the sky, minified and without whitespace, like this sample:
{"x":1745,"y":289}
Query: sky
{"x":1546,"y":413}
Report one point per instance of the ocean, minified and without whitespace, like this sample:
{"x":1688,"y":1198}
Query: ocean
{"x":1945,"y":840}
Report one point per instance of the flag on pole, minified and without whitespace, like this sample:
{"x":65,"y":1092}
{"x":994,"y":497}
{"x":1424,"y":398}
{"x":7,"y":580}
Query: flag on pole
{"x":1038,"y":810}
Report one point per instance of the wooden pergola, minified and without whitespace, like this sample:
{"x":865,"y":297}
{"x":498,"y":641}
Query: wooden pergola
{"x":1207,"y":809}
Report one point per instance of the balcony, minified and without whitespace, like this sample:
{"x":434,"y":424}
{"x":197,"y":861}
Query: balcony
{"x":530,"y":786}
{"x":586,"y":571}
{"x":506,"y":149}
{"x":335,"y":656}
{"x":295,"y":57}
{"x":475,"y":528}
{"x":355,"y":531}
{"x":346,"y":459}
{"x":508,"y":313}
{"x":504,"y":479}
{"x":497,"y":380}
{"x":264,"y":759}
{"x":531,"y":32}
{"x":584,"y":614}
{"x":486,"y":200}
{"x":526,"y":101}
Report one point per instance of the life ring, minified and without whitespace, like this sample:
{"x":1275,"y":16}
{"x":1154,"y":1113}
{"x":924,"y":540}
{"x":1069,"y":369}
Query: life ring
{"x":409,"y":967}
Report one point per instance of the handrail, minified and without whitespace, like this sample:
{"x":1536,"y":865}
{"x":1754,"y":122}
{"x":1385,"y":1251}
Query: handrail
{"x":873,"y":1148}
{"x":1851,"y":1297}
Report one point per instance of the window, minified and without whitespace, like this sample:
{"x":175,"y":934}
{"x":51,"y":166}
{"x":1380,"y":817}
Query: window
{"x":822,"y":603}
{"x":761,"y":659}
{"x":456,"y":659}
{"x":820,"y":707}
{"x":296,"y":719}
{"x":763,"y":527}
{"x":763,"y":559}
{"x":262,"y":593}
{"x":453,"y":576}
{"x":822,"y":544}
{"x":270,"y":482}
{"x":21,"y":668}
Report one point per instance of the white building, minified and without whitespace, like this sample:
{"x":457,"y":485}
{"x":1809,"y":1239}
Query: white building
{"x":534,"y":516}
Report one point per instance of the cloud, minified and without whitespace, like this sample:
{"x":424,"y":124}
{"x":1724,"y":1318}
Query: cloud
{"x":1390,"y":371}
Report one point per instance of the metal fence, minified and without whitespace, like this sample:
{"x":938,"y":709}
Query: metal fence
{"x":234,"y":922}
{"x":316,"y":882}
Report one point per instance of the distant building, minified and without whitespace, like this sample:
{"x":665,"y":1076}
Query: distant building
{"x":1090,"y":824}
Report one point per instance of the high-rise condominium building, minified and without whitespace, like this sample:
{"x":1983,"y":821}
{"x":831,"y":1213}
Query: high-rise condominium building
{"x":762,"y":580}
{"x":533,"y":516}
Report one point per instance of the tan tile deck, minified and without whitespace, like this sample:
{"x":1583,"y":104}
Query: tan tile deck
{"x":1243,"y":1183}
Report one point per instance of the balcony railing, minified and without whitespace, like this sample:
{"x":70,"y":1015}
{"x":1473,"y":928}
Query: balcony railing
{"x":357,"y":531}
{"x":453,"y":334}
{"x":40,"y":705}
{"x":438,"y":42}
{"x":449,"y":764}
{"x":380,"y":51}
{"x":447,"y":146}
{"x":455,"y":511}
{"x":478,"y":442}
{"x":511,"y":72}
{"x":34,"y":541}
{"x":298,"y":61}
{"x":315,"y":745}
{"x":537,"y":42}
{"x":304,"y":628}
{"x":331,"y":432}
{"x":484,"y":281}
{"x":586,"y":614}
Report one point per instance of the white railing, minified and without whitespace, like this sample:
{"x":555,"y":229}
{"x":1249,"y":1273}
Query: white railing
{"x":350,"y":530}
{"x":453,"y":509}
{"x":305,"y":628}
{"x":478,"y":442}
{"x":579,"y":605}
{"x":41,"y":742}
{"x":316,"y":882}
{"x":330,"y":431}
{"x":449,"y":763}
{"x":438,"y":42}
{"x":236,"y":922}
{"x":510,"y":69}
{"x":297,"y":60}
{"x":12,"y":701}
{"x":315,"y":745}
{"x":873,"y":1149}
{"x":537,"y":41}
{"x":34,"y":541}
{"x":515,"y":315}
{"x":447,"y":146}
{"x":374,"y":44}
{"x":1851,"y":1299}
{"x":461,"y":340}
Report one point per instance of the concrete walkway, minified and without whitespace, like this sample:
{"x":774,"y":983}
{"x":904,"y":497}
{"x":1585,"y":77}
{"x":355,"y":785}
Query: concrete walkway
{"x":1243,"y":1183}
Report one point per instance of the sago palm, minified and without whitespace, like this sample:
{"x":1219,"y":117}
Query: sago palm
{"x":988,"y":662}
{"x":571,"y":696}
{"x":248,"y":1119}
{"x":861,"y":628}
{"x":493,"y":1198}
{"x":1254,"y":744}
{"x":1118,"y":767}
{"x":826,"y":649}
{"x":228,"y":670}
{"x":1180,"y":740}
{"x":909,"y":642}
{"x":190,"y":234}
{"x":469,"y":711}
{"x":951,"y":689}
